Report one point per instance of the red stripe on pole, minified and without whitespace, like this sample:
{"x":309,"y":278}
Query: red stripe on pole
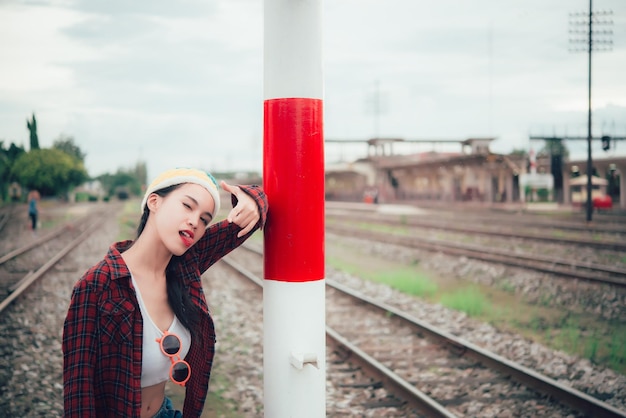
{"x":293,"y":179}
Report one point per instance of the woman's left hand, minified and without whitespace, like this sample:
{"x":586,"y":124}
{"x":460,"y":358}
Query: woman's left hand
{"x":245,"y":214}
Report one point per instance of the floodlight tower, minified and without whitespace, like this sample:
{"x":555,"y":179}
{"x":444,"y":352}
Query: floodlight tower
{"x":577,"y":28}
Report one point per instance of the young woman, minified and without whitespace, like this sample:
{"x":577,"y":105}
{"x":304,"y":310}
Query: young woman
{"x":139,"y":317}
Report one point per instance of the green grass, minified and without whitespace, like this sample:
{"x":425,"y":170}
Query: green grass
{"x":617,"y":351}
{"x":469,"y":300}
{"x":402,"y":279}
{"x":406,"y":281}
{"x":128,"y":220}
{"x":602,"y":345}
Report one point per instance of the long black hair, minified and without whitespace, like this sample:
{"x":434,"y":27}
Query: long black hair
{"x":186,"y":311}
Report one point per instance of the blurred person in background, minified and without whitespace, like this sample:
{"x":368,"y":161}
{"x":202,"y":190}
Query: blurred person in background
{"x":33,"y":211}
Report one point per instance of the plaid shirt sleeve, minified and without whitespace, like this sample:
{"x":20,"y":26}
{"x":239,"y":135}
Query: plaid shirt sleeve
{"x":221,"y":238}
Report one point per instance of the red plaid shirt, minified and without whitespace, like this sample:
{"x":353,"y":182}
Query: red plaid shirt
{"x":103,"y":330}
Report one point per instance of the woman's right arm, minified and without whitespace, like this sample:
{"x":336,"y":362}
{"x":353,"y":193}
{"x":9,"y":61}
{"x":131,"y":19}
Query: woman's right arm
{"x":223,"y":237}
{"x":79,"y":352}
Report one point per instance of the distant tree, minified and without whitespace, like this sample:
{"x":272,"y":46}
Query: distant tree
{"x":4,"y":172}
{"x":4,"y":158}
{"x":122,"y":180}
{"x":130,"y":180}
{"x":7,"y":158}
{"x":67,"y":145}
{"x":32,"y":127}
{"x":553,"y":147}
{"x":141,"y":173}
{"x":51,"y":171}
{"x":14,"y":152}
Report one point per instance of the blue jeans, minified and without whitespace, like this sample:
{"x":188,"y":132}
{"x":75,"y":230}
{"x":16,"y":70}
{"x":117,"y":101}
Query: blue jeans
{"x":167,"y":410}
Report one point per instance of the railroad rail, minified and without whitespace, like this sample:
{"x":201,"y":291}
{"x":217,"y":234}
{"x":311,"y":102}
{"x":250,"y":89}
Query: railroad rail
{"x":566,"y":268}
{"x":400,"y":351}
{"x":481,"y":216}
{"x":69,"y":235}
{"x":468,"y":228}
{"x":405,"y":393}
{"x":5,"y":215}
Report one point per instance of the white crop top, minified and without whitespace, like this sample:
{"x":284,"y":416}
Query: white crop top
{"x":155,"y":366}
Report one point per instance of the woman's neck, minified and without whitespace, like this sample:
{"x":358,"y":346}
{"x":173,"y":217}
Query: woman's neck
{"x":147,"y":260}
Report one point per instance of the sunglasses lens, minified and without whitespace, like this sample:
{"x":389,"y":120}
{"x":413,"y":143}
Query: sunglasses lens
{"x":171,"y":344}
{"x":180,"y":371}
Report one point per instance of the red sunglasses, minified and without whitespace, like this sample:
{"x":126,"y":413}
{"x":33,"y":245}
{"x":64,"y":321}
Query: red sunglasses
{"x":170,"y":346}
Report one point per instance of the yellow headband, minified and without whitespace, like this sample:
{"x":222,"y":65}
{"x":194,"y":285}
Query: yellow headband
{"x":184,"y":175}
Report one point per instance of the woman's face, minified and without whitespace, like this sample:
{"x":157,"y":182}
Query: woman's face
{"x":183,"y":216}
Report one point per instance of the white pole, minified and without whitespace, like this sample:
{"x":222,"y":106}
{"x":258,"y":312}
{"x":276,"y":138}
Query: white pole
{"x":294,"y":355}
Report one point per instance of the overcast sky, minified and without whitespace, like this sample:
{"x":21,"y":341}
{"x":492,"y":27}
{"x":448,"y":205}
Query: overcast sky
{"x":181,"y":83}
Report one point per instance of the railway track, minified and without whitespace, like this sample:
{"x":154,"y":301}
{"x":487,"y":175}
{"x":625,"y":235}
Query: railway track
{"x":427,"y":370}
{"x":563,"y":267}
{"x":5,"y":215}
{"x":613,"y":221}
{"x":351,"y":381}
{"x":19,"y":269}
{"x":566,"y":234}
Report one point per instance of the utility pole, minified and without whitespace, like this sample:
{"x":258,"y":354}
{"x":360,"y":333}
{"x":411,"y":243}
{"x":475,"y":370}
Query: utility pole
{"x":377,"y":106}
{"x":377,"y":110}
{"x":592,"y":44}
